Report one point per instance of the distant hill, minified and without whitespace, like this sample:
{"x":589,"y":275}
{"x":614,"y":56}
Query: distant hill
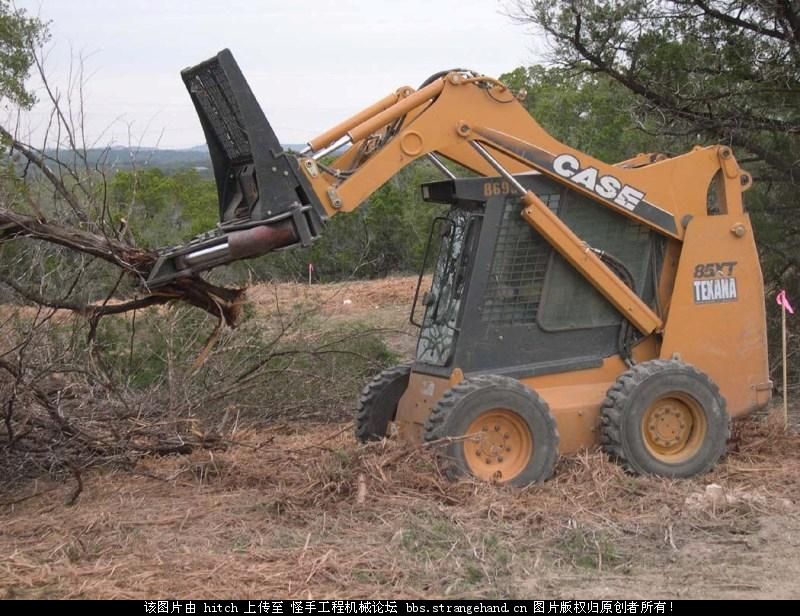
{"x":127,"y":158}
{"x":168,"y":160}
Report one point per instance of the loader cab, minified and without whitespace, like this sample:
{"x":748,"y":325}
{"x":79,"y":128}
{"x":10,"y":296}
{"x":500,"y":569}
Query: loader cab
{"x":502,"y":301}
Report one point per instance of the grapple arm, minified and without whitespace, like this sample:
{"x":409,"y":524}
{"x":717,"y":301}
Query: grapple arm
{"x":265,"y":202}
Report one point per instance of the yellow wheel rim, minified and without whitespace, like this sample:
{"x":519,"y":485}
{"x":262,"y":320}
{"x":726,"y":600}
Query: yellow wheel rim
{"x":500,"y":447}
{"x":674,"y":428}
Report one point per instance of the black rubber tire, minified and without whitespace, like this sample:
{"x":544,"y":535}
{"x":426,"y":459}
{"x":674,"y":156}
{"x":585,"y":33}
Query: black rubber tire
{"x":626,"y":403}
{"x":377,"y":405}
{"x":464,"y":403}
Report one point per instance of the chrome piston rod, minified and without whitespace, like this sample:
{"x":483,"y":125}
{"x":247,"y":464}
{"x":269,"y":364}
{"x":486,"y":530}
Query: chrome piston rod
{"x":240,"y":245}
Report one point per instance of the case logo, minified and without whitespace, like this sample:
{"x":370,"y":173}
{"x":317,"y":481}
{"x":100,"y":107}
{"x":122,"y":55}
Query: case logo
{"x":606,"y":186}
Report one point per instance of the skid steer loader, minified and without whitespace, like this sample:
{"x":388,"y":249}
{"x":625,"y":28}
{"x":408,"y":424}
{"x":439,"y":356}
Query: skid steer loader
{"x":573,"y":302}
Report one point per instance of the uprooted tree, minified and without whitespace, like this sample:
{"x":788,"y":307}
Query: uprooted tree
{"x":84,"y":379}
{"x":65,"y":246}
{"x":56,"y":195}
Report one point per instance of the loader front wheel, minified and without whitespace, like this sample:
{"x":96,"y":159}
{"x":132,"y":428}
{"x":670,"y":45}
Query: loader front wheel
{"x":665,"y":417}
{"x":377,"y":405}
{"x":501,"y":431}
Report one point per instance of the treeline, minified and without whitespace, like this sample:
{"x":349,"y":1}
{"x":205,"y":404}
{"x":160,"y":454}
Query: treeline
{"x":386,"y":235}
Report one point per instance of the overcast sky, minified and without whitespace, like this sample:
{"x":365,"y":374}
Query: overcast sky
{"x":310,"y":64}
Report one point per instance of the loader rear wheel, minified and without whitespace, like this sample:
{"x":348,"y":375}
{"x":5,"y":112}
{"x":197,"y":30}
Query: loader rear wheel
{"x":665,"y":417}
{"x":377,"y":405}
{"x":504,"y":430}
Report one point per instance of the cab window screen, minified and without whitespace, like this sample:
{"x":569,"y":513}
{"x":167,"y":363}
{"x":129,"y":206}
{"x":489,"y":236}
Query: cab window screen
{"x":519,"y":264}
{"x":568,"y":300}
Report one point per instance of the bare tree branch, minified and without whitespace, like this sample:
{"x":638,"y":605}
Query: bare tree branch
{"x":39,"y":162}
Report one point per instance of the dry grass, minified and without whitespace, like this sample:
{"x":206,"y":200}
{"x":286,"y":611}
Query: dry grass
{"x":304,"y":511}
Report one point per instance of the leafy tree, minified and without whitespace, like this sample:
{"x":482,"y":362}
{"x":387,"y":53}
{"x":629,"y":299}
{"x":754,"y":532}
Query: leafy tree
{"x":167,"y":208}
{"x":18,"y":34}
{"x":588,"y":111}
{"x":722,"y":68}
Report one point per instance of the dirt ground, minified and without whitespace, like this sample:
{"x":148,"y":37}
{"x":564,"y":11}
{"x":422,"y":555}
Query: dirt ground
{"x":303,"y":511}
{"x":384,"y":304}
